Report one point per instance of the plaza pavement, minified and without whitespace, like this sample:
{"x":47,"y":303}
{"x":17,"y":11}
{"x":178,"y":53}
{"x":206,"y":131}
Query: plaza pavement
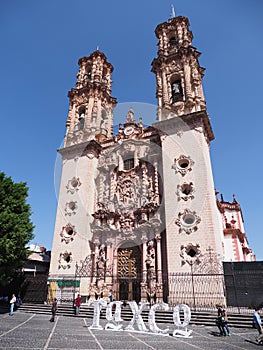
{"x":34,"y":331}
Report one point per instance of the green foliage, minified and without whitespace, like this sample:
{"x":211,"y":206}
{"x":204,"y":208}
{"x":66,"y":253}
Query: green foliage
{"x":16,"y":229}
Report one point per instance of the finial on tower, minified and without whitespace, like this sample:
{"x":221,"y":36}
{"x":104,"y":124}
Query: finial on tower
{"x":172,"y":12}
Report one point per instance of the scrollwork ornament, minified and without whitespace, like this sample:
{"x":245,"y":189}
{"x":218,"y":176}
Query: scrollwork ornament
{"x":188,"y":221}
{"x":185,"y":191}
{"x":183,"y":164}
{"x":73,"y":185}
{"x":65,"y":260}
{"x":68,"y":233}
{"x":71,"y":208}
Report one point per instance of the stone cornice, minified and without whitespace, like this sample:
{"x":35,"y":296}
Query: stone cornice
{"x":81,"y":149}
{"x":170,"y":124}
{"x":99,"y":86}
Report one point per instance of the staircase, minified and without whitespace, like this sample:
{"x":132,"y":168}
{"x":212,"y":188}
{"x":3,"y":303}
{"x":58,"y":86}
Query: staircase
{"x":197,"y":317}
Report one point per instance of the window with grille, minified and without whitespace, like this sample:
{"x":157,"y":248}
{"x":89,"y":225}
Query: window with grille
{"x":128,"y":164}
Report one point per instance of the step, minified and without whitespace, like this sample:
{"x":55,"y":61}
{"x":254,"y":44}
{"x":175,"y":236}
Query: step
{"x":197,"y":317}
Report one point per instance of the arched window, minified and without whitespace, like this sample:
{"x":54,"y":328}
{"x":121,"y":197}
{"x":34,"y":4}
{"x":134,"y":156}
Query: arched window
{"x":172,"y":41}
{"x":177,"y":92}
{"x":81,"y":119}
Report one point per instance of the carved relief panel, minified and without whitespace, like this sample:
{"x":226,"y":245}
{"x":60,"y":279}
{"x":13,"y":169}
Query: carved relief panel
{"x":127,"y":187}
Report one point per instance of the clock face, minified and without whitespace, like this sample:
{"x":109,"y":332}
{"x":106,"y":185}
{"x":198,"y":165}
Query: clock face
{"x":128,"y":130}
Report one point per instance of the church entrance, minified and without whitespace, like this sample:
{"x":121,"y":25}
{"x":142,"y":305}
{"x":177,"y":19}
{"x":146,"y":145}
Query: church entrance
{"x":129,"y":274}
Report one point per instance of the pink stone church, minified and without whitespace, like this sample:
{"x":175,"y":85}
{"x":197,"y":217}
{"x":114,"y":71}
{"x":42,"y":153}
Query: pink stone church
{"x":138,"y":217}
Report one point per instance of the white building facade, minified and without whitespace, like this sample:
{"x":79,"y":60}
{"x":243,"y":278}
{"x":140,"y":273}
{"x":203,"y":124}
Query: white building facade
{"x":137,"y":212}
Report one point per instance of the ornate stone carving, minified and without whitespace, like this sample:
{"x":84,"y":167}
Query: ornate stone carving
{"x":101,"y":262}
{"x":73,"y":185}
{"x":185,"y":191}
{"x":65,"y":259}
{"x":71,"y":208}
{"x":130,"y":196}
{"x":190,"y":253}
{"x":130,"y":116}
{"x":68,"y":232}
{"x":150,"y":257}
{"x":188,"y":221}
{"x":183,"y":164}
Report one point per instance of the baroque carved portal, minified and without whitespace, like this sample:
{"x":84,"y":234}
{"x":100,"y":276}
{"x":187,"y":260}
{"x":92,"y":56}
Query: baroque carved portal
{"x":128,"y":193}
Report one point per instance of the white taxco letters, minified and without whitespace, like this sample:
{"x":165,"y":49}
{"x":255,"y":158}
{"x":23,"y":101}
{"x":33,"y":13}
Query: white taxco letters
{"x":136,"y":324}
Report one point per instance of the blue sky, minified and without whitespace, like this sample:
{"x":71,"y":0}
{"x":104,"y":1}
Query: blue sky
{"x":41,"y":42}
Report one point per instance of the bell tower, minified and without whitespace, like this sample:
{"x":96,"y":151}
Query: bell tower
{"x":178,"y":73}
{"x":89,"y":123}
{"x":90,"y":113}
{"x":193,"y":231}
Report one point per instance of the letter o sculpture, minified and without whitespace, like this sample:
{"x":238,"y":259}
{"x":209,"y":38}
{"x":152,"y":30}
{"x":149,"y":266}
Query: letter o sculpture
{"x":176,"y":315}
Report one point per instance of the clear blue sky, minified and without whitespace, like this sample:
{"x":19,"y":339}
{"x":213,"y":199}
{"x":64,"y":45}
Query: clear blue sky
{"x":41,"y":42}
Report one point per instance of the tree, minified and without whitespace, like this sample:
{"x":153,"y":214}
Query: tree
{"x":16,"y":229}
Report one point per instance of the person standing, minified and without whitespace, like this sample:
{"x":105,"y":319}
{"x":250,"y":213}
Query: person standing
{"x":54,"y":310}
{"x":222,"y":321}
{"x":12,"y":304}
{"x":258,"y":324}
{"x":77,"y":304}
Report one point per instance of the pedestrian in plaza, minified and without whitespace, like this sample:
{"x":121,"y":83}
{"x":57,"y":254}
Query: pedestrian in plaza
{"x":258,"y":324}
{"x":12,"y":304}
{"x":54,"y":310}
{"x":77,"y":304}
{"x":222,"y":321}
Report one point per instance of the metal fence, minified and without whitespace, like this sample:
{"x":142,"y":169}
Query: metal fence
{"x":239,"y":287}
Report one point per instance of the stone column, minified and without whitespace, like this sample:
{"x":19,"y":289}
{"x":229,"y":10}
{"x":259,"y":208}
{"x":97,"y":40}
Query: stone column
{"x":109,"y":271}
{"x":187,"y":80}
{"x":159,"y":283}
{"x":109,"y":258}
{"x":165,"y":89}
{"x":144,"y":255}
{"x":144,"y":271}
{"x":115,"y":271}
{"x":156,"y":184}
{"x":159,"y":257}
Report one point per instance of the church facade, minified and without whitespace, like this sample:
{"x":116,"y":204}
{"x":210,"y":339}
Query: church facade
{"x":137,"y":208}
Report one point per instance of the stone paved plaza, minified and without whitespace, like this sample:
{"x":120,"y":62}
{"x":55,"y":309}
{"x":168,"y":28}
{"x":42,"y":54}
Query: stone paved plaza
{"x":32,"y":331}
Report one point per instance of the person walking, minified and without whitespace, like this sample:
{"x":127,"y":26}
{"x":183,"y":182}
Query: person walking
{"x":222,"y":321}
{"x":54,"y":310}
{"x":258,"y":324}
{"x":77,"y":304}
{"x":12,"y":304}
{"x":225,"y":322}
